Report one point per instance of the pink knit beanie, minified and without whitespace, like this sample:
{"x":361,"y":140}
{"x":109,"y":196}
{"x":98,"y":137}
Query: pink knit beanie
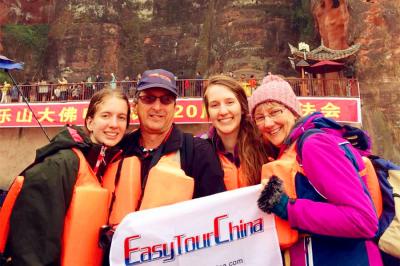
{"x":274,"y":89}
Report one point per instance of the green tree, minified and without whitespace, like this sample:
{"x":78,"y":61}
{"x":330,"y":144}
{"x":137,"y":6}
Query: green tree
{"x":27,"y":43}
{"x":302,"y":21}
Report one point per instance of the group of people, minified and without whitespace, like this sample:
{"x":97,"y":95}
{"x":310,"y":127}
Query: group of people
{"x":331,"y":209}
{"x":62,"y":90}
{"x":196,"y":87}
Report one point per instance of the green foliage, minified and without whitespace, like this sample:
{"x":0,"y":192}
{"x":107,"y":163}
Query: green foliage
{"x":4,"y":77}
{"x":27,"y":43}
{"x":303,"y":21}
{"x":28,"y":36}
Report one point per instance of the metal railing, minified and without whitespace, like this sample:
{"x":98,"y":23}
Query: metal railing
{"x":186,"y":88}
{"x":325,"y":87}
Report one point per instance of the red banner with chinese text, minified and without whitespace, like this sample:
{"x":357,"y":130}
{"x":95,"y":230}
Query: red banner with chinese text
{"x":188,"y":111}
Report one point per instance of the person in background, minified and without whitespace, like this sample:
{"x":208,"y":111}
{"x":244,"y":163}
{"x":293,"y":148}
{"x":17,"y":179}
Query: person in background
{"x":26,"y":89}
{"x":43,"y":90}
{"x":5,"y":91}
{"x":333,"y":209}
{"x":243,"y":82}
{"x":233,"y":135}
{"x":126,"y":85}
{"x":180,"y":81}
{"x":88,"y":91}
{"x":252,"y":83}
{"x":14,"y":93}
{"x":62,"y":190}
{"x":63,"y":86}
{"x":99,"y":82}
{"x":57,"y":93}
{"x":113,"y":82}
{"x":198,"y":84}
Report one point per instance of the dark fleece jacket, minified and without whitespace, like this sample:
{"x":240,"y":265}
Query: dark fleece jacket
{"x":37,"y":221}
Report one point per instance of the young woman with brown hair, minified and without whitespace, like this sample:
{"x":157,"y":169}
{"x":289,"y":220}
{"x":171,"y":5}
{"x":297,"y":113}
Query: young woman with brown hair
{"x":57,"y":216}
{"x":233,"y":135}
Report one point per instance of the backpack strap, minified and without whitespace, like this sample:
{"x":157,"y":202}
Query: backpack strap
{"x":187,"y":153}
{"x":348,"y":153}
{"x":302,"y":139}
{"x":382,"y":168}
{"x":116,"y":182}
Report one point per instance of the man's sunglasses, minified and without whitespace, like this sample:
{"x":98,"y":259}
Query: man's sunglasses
{"x":149,"y":99}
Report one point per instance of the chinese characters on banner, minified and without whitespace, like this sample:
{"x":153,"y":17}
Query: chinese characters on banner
{"x":188,"y":111}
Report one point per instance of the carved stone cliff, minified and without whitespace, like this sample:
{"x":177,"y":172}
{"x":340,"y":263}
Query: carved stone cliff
{"x":126,"y":37}
{"x":81,"y":38}
{"x":376,"y":26}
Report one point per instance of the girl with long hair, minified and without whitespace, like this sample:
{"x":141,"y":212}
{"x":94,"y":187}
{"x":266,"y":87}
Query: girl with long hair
{"x":62,"y":190}
{"x":233,"y":135}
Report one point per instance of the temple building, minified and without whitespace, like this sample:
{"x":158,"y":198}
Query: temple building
{"x":324,"y":71}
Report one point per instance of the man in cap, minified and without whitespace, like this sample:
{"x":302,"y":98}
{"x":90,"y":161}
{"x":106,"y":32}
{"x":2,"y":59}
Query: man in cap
{"x":157,"y":136}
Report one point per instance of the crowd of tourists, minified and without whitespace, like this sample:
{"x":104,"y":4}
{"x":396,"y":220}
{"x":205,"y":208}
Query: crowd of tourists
{"x":63,"y":90}
{"x":73,"y":177}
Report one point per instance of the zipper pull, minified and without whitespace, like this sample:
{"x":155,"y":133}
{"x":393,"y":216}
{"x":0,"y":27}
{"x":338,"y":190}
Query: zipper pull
{"x":100,"y":159}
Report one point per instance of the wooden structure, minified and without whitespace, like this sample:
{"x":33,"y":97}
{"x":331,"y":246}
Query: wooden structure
{"x":324,"y":63}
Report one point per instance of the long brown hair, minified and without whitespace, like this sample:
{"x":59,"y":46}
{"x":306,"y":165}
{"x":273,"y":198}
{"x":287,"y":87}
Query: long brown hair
{"x":251,"y":149}
{"x":100,"y":96}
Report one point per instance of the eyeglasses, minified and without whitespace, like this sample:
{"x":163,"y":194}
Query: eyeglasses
{"x":273,"y":114}
{"x":149,"y":99}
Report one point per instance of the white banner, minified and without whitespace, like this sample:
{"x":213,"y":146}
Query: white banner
{"x":223,"y":229}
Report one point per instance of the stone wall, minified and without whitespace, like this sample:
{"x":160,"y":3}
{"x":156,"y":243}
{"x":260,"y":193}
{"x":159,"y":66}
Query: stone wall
{"x":375,"y":25}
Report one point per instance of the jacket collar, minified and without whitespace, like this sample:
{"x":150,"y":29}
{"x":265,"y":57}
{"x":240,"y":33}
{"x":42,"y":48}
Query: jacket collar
{"x":131,"y":145}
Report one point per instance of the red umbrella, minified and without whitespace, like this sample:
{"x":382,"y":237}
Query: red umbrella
{"x":325,"y":67}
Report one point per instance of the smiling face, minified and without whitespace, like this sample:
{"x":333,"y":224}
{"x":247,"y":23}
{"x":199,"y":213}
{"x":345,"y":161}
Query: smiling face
{"x":108,"y":124}
{"x":274,"y":121}
{"x":156,"y":117}
{"x":224,"y":110}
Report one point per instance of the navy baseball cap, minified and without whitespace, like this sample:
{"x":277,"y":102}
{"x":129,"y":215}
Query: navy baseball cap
{"x":158,"y":78}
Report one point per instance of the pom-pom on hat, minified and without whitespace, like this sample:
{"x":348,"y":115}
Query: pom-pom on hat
{"x":274,"y":89}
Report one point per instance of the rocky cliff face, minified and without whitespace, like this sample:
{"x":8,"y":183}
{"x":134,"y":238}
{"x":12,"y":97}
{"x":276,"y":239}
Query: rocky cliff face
{"x":80,"y":38}
{"x":376,"y":26}
{"x":125,"y":37}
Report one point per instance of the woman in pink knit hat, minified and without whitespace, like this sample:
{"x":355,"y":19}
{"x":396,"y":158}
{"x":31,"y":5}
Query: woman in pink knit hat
{"x":328,"y":204}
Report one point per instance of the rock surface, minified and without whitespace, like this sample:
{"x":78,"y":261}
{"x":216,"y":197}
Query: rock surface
{"x":126,"y":37}
{"x":376,"y":26}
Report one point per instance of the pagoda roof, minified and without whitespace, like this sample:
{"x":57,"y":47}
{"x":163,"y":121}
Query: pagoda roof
{"x":324,"y":53}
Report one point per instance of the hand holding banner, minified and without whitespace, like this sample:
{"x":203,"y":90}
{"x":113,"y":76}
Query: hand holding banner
{"x":223,"y":229}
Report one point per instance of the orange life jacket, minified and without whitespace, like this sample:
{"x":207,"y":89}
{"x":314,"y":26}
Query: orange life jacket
{"x":88,"y":211}
{"x":373,"y":185}
{"x":233,"y":176}
{"x":6,"y":210}
{"x":128,"y":192}
{"x":166,"y":184}
{"x":286,"y":168}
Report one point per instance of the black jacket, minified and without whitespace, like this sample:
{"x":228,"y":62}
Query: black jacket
{"x":37,"y":220}
{"x":204,"y":165}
